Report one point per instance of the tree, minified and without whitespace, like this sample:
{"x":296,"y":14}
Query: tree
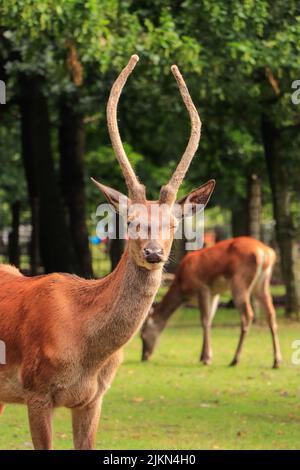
{"x":71,"y":146}
{"x":250,"y":51}
{"x":54,"y":242}
{"x":239,"y":59}
{"x":41,"y":35}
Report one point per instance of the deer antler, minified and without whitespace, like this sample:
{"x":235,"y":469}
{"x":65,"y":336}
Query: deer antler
{"x":136,"y":189}
{"x":169,"y":191}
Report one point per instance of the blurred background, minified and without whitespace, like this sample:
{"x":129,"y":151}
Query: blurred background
{"x":59,"y":60}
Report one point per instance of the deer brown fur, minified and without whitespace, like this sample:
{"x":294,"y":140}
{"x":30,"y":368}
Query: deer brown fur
{"x":241,"y":265}
{"x":63,"y":334}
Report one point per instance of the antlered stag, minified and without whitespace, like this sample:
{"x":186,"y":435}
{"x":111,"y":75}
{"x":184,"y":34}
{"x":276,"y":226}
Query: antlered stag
{"x":244,"y":266}
{"x":63,"y":334}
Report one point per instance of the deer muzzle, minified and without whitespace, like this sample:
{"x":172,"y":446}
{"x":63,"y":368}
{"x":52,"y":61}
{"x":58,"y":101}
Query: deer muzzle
{"x":153,"y":253}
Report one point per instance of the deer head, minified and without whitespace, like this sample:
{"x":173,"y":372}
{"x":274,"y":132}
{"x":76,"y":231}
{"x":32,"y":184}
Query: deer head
{"x":154,"y":221}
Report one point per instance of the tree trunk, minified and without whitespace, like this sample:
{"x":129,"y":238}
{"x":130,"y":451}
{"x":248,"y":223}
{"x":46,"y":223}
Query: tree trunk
{"x":285,"y":229}
{"x":254,"y":206}
{"x":254,"y":222}
{"x":71,"y":143}
{"x":13,"y":242}
{"x":54,"y":241}
{"x":30,"y":162}
{"x":34,"y":246}
{"x":239,"y":218}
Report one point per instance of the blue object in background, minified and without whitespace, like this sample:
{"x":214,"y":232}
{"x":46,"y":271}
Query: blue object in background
{"x":95,"y":240}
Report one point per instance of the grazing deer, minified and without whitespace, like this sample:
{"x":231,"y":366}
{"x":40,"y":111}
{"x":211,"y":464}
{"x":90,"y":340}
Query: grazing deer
{"x":244,"y":266}
{"x":63,"y":334}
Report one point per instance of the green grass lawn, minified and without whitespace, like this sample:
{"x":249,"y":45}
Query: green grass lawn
{"x":173,"y":402}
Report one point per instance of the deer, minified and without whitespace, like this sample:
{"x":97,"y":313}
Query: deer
{"x":64,"y":335}
{"x":242,"y":265}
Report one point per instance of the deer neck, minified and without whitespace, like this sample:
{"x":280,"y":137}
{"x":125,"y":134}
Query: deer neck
{"x":123,"y":303}
{"x":168,"y":305}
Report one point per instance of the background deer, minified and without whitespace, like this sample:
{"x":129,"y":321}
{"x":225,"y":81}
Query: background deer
{"x":244,"y":266}
{"x":63,"y":334}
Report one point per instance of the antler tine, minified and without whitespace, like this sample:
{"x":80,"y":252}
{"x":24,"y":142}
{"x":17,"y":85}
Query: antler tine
{"x":136,"y":190}
{"x":169,"y":191}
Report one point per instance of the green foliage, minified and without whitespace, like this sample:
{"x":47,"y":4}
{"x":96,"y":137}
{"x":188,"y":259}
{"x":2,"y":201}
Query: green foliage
{"x":12,"y":179}
{"x":229,"y":53}
{"x":102,"y":162}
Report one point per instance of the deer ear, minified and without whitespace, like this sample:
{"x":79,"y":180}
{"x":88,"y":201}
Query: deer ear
{"x":197,"y":199}
{"x":119,"y":201}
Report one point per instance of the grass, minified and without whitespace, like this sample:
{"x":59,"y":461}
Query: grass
{"x":173,"y":402}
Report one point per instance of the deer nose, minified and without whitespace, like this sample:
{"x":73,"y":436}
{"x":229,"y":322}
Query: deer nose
{"x":153,"y":254}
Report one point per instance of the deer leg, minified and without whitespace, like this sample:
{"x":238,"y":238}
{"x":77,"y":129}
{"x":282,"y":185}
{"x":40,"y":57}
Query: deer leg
{"x":206,"y":353}
{"x":242,"y":302}
{"x":2,"y":406}
{"x":40,"y":421}
{"x":85,"y":419}
{"x":214,"y":306}
{"x":206,"y":306}
{"x":85,"y":424}
{"x":265,"y":299}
